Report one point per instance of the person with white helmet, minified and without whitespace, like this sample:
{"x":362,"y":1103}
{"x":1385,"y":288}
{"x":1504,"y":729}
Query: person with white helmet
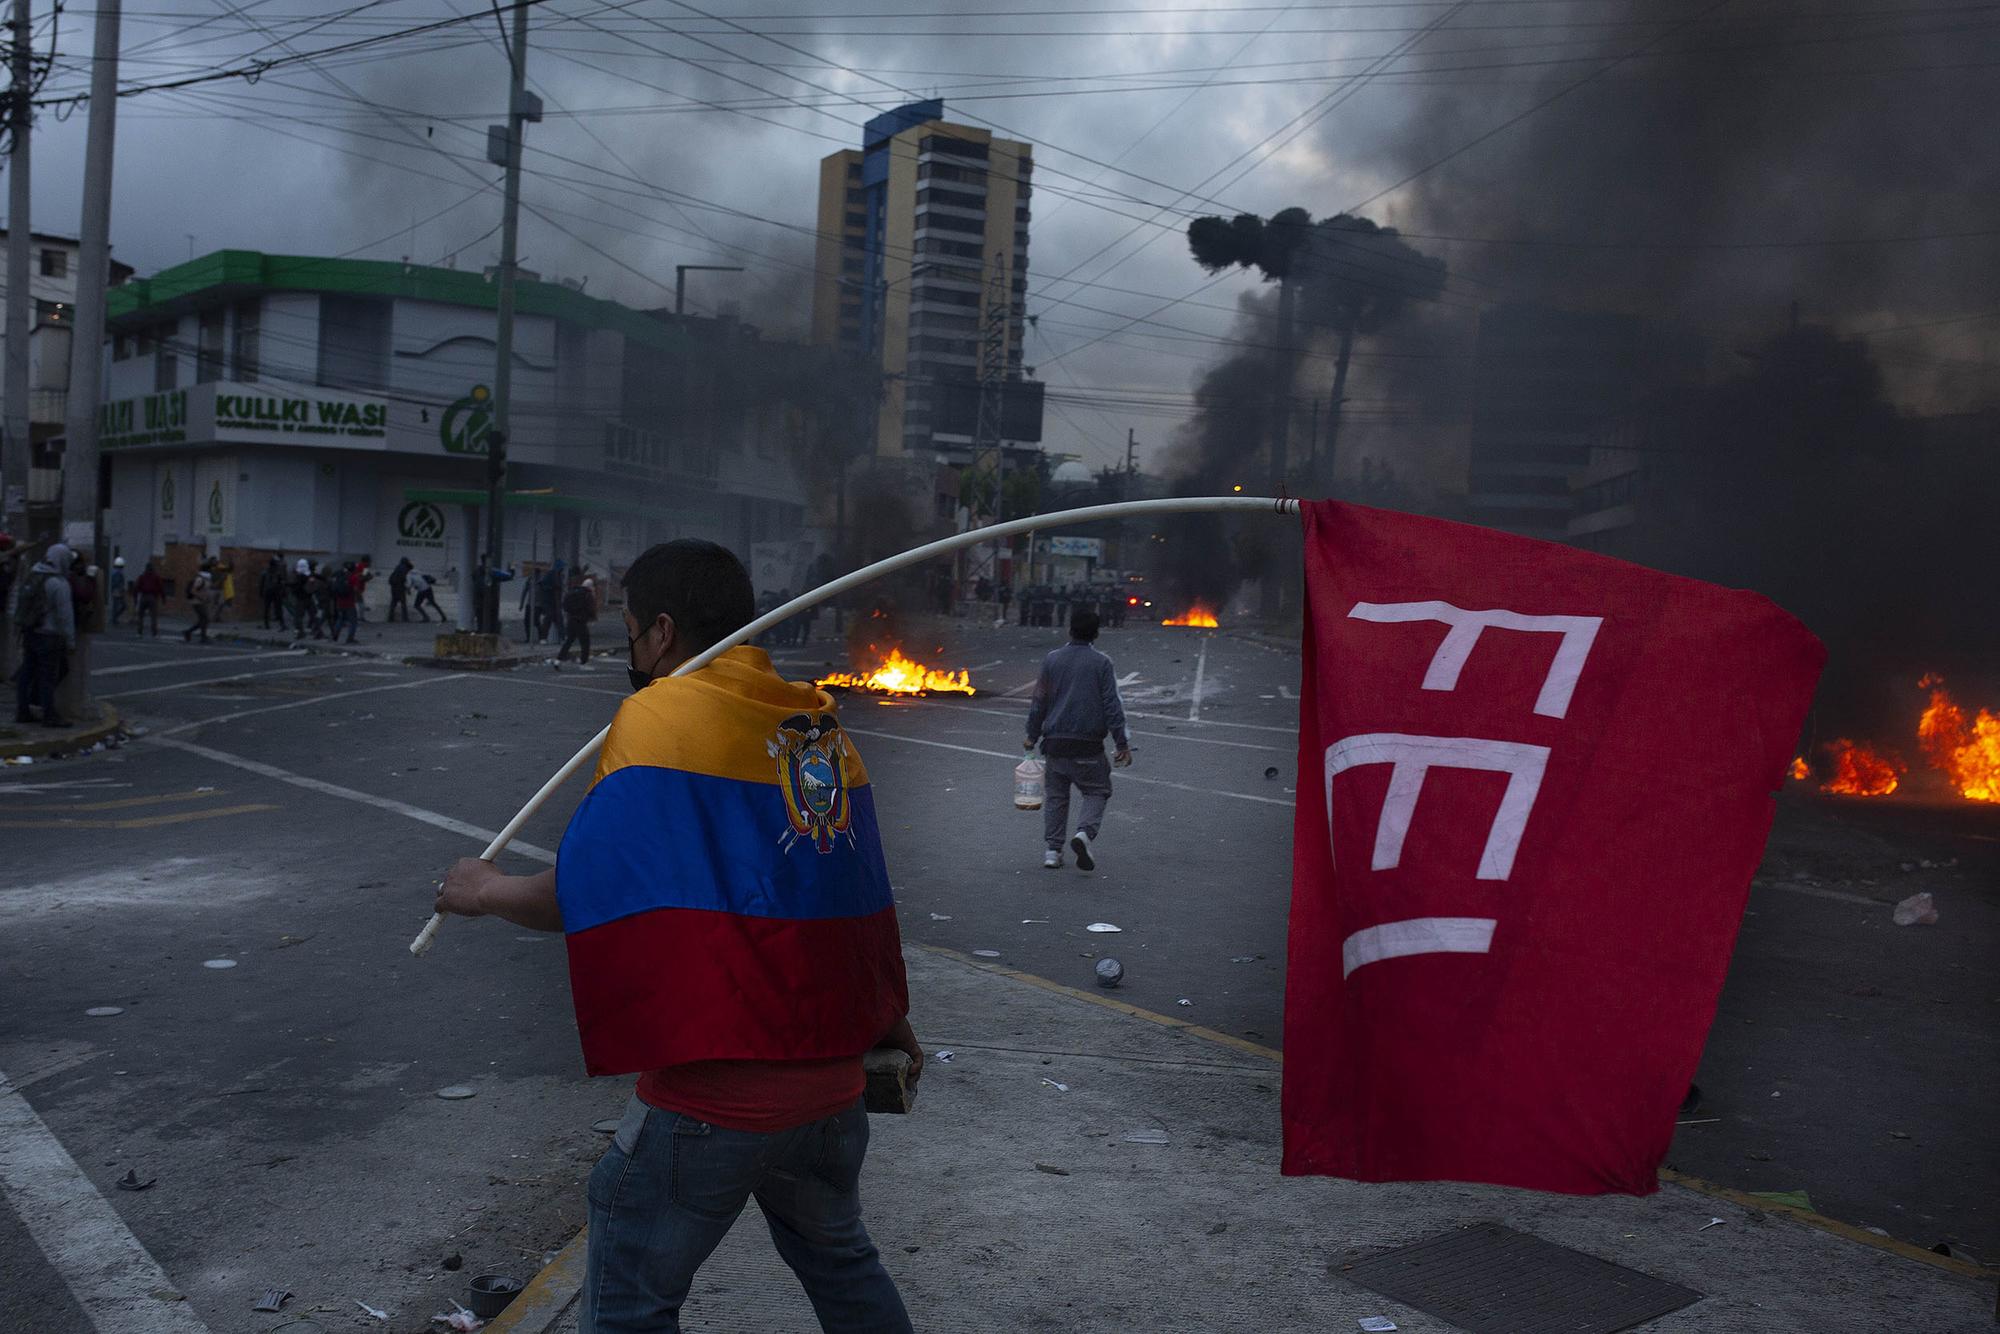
{"x":117,"y":589}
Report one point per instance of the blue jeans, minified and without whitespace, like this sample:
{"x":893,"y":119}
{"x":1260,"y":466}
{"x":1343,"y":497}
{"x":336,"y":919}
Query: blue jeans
{"x":669,"y":1187}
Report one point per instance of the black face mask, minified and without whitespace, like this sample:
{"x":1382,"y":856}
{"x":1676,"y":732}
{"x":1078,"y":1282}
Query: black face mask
{"x":640,"y":680}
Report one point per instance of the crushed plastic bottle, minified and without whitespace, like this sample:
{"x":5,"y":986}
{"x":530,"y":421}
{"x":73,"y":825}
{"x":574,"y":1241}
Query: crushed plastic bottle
{"x":1917,"y":910}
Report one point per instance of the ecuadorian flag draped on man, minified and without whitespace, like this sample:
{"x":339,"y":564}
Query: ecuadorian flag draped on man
{"x":724,"y":900}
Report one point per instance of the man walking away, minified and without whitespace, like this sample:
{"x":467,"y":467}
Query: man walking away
{"x":346,"y":594}
{"x":399,"y":588}
{"x":426,"y":597}
{"x":271,"y":591}
{"x":47,"y":620}
{"x":579,"y":608}
{"x":1076,"y":703}
{"x":531,"y":592}
{"x":117,"y":589}
{"x":548,"y":603}
{"x":151,"y":589}
{"x":745,"y":986}
{"x":199,"y":589}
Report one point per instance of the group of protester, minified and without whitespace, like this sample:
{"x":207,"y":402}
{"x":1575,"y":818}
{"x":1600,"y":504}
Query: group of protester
{"x":558,"y":599}
{"x":790,"y":632}
{"x":1053,"y":604}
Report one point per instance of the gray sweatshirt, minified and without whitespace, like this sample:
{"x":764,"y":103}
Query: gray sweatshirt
{"x":1076,"y":702}
{"x":53,"y":570}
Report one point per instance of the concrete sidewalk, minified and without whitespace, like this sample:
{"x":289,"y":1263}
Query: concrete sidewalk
{"x":1006,"y":1203}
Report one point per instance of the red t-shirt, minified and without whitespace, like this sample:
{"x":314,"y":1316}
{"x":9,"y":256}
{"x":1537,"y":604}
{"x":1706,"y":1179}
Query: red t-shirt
{"x":761,"y":1096}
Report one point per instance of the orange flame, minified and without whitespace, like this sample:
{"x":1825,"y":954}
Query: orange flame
{"x":1859,"y":770}
{"x":1966,"y":748}
{"x":1197,"y":616}
{"x":1799,"y":769}
{"x":898,"y":675}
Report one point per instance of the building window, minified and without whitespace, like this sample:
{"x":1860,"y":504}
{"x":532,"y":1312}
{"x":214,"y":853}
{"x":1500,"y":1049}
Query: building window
{"x":857,"y":220}
{"x":244,"y":353}
{"x":55,"y":264}
{"x":353,"y":342}
{"x":943,"y":143}
{"x":210,"y":331}
{"x":51,"y":312}
{"x":166,"y":359}
{"x":121,"y":347}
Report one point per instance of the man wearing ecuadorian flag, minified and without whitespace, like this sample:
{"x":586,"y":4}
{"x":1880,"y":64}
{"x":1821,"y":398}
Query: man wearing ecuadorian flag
{"x":733,"y":942}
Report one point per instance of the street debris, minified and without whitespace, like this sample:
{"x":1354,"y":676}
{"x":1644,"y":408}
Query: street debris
{"x":491,"y":1293}
{"x":1217,"y":1229}
{"x":1712,"y":1222}
{"x":1184,"y":1001}
{"x":459,"y":1319}
{"x":987,"y":954}
{"x":1034,"y":921}
{"x":130,"y":1181}
{"x":1899,"y":1134}
{"x":1271,"y":771}
{"x":218,"y":963}
{"x":1791,"y":1199}
{"x":273,"y":1300}
{"x":1052,"y":1170}
{"x":605,"y":1125}
{"x":944,"y":1057}
{"x":104,"y":1011}
{"x":1144,"y":1137}
{"x":1060,"y":1088}
{"x":1955,"y":1251}
{"x":940,"y":917}
{"x":378,"y":1314}
{"x":1110,"y":972}
{"x":1103,"y":927}
{"x":1245,"y":958}
{"x":454,"y":1092}
{"x":453,"y":1263}
{"x":1917,"y":910}
{"x":1377,"y":1324}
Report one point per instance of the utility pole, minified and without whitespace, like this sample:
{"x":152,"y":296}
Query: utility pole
{"x":503,"y":148}
{"x":81,"y":512}
{"x":1281,"y":422}
{"x":681,"y":272}
{"x":16,"y":445}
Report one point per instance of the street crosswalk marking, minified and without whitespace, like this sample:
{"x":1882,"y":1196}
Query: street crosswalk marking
{"x":1123,"y":776}
{"x":193,"y":661}
{"x":119,"y":1285}
{"x":403,"y":808}
{"x":217,"y":680}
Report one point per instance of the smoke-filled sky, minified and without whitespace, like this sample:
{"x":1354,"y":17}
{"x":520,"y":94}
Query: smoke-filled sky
{"x":1704,"y":162}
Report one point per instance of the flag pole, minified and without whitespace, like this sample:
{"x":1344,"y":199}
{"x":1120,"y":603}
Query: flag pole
{"x":867,"y":574}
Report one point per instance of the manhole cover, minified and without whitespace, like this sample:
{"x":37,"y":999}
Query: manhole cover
{"x":1491,"y":1279}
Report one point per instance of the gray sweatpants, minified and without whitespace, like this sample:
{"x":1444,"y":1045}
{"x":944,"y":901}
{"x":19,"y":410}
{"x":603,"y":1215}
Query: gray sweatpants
{"x":1092,"y":776}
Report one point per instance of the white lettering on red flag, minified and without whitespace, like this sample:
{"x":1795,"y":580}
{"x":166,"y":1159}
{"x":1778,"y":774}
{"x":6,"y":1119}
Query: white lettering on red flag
{"x":1548,"y":776}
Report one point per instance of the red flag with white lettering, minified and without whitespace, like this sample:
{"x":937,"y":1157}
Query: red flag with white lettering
{"x":1534,"y":783}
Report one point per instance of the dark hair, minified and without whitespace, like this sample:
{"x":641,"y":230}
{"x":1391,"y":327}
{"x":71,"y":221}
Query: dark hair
{"x":1083,"y":624}
{"x":700,"y":584}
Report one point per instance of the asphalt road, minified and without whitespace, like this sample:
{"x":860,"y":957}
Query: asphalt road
{"x":290,"y":814}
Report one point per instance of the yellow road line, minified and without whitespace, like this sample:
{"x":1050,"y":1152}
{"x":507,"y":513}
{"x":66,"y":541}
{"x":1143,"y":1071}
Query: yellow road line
{"x":1839,"y":1229}
{"x":193,"y":794}
{"x":1847,"y":1231}
{"x":142,"y":822}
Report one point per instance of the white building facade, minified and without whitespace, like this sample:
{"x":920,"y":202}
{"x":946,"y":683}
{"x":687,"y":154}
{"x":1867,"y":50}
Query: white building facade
{"x":275,"y":405}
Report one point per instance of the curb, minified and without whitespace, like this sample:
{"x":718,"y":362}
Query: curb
{"x":548,"y":1295}
{"x":58,"y":743}
{"x":551,"y":1292}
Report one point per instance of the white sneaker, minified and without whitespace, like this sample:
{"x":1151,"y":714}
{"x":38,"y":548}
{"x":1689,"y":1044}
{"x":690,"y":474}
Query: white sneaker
{"x":1079,"y":843}
{"x":1052,"y":859}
